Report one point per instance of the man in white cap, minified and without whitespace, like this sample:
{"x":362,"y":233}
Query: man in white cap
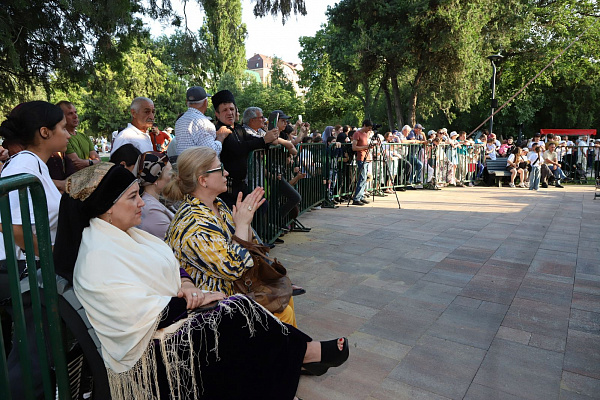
{"x":194,"y":128}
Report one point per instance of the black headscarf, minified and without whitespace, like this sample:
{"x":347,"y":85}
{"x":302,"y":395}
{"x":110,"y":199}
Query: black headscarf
{"x":85,"y":199}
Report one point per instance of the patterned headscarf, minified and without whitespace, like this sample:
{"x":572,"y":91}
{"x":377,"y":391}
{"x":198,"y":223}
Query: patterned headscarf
{"x":89,"y":193}
{"x":150,"y":167}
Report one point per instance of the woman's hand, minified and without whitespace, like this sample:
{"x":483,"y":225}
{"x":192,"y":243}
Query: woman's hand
{"x":195,"y":297}
{"x":243,"y":211}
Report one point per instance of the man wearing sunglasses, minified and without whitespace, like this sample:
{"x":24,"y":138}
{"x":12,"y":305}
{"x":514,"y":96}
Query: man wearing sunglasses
{"x":236,"y":146}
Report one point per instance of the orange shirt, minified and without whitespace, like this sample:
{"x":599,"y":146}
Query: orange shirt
{"x":362,"y":139}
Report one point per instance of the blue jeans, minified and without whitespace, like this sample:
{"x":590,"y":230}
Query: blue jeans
{"x":558,"y":173}
{"x":534,"y":178}
{"x":417,"y":168}
{"x":361,"y":180}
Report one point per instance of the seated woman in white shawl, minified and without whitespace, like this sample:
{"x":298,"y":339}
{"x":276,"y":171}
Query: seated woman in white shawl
{"x":142,"y":306}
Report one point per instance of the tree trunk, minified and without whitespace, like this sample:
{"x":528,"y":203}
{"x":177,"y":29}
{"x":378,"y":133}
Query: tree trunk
{"x":367,"y":102}
{"x":388,"y":102}
{"x":397,"y":102}
{"x":413,"y":97}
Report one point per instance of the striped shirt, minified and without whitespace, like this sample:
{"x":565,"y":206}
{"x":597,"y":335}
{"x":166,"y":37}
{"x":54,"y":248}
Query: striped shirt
{"x":195,"y":129}
{"x":203,"y":244}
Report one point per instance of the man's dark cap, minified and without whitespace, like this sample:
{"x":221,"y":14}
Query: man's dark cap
{"x":281,"y":115}
{"x":418,"y":126}
{"x":224,"y":96}
{"x":196,"y":93}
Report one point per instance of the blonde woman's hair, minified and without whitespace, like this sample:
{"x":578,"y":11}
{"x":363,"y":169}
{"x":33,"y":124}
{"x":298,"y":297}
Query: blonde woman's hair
{"x":190,"y":165}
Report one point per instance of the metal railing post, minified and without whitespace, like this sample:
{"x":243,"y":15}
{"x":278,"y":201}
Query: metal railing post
{"x":25,"y":183}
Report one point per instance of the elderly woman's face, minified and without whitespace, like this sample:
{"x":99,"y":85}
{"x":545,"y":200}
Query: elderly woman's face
{"x":127,"y":211}
{"x":165,"y":177}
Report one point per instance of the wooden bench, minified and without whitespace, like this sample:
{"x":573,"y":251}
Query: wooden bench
{"x":497,"y":168}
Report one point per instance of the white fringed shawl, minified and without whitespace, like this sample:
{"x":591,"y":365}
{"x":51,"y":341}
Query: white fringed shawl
{"x":124,"y":280}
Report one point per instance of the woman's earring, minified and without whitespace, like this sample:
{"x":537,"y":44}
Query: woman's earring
{"x":110,"y":218}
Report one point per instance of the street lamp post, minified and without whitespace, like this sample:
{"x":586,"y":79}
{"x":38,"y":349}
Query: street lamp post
{"x":492,"y":58}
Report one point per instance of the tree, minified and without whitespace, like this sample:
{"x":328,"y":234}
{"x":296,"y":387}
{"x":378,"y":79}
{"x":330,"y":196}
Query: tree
{"x":182,"y":52}
{"x":222,"y":36}
{"x":103,"y":100}
{"x":327,"y":102}
{"x":40,"y":39}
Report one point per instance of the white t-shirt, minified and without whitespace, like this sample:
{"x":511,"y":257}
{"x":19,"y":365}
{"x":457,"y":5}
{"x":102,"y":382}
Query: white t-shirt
{"x":582,"y":148}
{"x":534,"y":156}
{"x":491,"y":148}
{"x":29,"y":163}
{"x":570,"y":145}
{"x":510,"y":159}
{"x":133,"y":135}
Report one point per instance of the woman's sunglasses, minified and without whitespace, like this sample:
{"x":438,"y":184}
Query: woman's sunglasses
{"x":210,"y":171}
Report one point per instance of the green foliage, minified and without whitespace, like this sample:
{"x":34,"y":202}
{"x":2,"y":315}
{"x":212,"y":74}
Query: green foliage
{"x":395,"y":61}
{"x":269,"y":98}
{"x":181,"y":51}
{"x":436,"y":53}
{"x":222,"y":36}
{"x":42,"y":38}
{"x":38,"y":37}
{"x":273,"y":7}
{"x":327,"y":102}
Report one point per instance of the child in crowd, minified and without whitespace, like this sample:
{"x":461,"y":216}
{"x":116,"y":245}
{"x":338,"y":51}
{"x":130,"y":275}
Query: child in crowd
{"x":536,"y":160}
{"x":490,"y":149}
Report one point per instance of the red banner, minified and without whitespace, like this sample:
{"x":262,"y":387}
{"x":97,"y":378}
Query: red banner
{"x":569,"y":132}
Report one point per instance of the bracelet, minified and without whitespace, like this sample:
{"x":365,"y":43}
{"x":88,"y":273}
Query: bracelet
{"x":91,"y":162}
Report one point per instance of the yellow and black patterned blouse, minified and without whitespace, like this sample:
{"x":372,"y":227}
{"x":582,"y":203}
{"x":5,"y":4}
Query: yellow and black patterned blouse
{"x":202,"y":243}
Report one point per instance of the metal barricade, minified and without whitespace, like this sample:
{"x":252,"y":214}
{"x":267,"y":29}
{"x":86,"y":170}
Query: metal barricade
{"x":454,"y":165}
{"x":312,"y":162}
{"x":54,"y":366}
{"x":391,"y":167}
{"x":341,"y":171}
{"x":293,"y":185}
{"x":581,"y":164}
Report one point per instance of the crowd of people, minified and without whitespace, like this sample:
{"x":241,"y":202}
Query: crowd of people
{"x":173,"y":209}
{"x":156,"y":279}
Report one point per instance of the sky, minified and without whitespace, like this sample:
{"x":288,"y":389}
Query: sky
{"x":265,"y":35}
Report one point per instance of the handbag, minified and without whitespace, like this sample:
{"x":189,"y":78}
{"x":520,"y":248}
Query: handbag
{"x":266,"y":282}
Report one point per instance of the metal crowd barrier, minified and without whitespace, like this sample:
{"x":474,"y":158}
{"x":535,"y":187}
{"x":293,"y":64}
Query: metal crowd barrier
{"x":581,"y":164}
{"x":329,"y":173}
{"x":312,"y":162}
{"x":51,"y":351}
{"x":454,"y":165}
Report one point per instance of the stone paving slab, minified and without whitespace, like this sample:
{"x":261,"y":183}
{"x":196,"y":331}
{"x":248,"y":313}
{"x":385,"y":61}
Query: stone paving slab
{"x":465,"y":293}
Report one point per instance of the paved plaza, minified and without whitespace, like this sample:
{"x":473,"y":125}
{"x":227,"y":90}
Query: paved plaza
{"x":465,"y":293}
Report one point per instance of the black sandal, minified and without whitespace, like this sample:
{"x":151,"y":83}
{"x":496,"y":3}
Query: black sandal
{"x":297,"y":291}
{"x":331,"y":356}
